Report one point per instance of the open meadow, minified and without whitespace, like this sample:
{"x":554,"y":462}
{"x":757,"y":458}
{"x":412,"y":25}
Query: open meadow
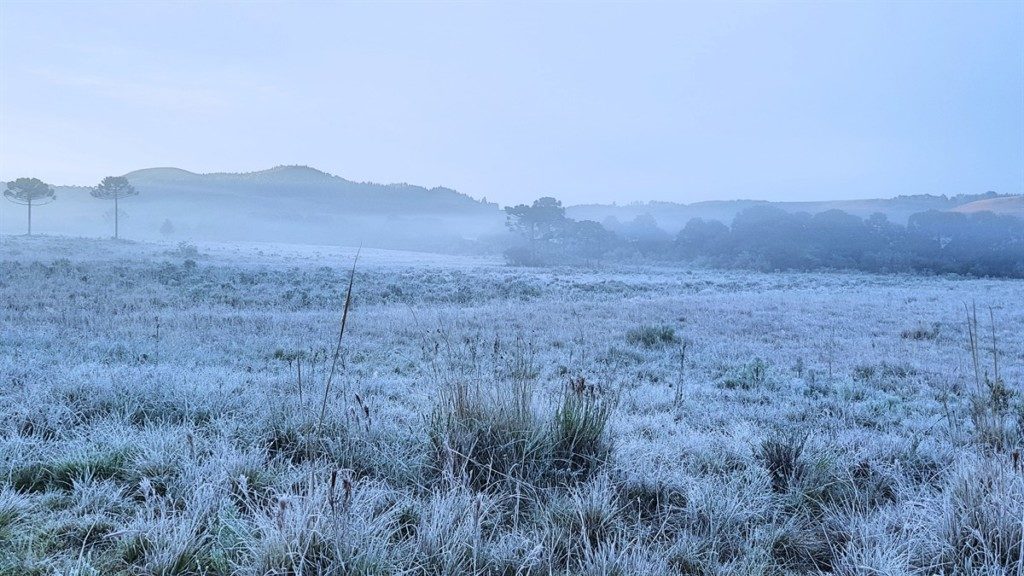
{"x":187,"y":409}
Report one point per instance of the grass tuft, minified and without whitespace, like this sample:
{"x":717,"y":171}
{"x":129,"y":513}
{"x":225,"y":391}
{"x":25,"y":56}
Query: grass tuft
{"x":652,"y":336}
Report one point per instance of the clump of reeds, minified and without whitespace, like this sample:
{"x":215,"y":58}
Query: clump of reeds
{"x":783,"y":459}
{"x":991,"y":400}
{"x":494,"y":435}
{"x":652,"y":336}
{"x":578,"y":435}
{"x":487,"y":435}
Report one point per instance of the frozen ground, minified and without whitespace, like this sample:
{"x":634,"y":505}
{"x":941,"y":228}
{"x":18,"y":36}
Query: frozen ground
{"x":492,"y":420}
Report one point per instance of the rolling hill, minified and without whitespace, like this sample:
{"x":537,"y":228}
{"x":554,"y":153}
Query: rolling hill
{"x":304,"y":205}
{"x":1007,"y":205}
{"x":286,"y":203}
{"x":288,"y":185}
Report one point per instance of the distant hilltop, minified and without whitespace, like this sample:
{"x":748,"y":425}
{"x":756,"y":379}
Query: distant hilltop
{"x":283,"y":173}
{"x":306,"y":205}
{"x":1008,"y":205}
{"x":306,"y":184}
{"x":303,"y":190}
{"x":286,"y":203}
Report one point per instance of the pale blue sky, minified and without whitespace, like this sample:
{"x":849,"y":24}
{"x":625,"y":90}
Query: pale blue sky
{"x":585,"y":102}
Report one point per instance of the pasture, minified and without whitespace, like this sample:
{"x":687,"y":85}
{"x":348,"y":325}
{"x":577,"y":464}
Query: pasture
{"x":172,"y":409}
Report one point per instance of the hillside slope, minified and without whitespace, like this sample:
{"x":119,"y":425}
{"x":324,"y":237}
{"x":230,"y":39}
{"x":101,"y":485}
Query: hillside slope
{"x":1007,"y":205}
{"x":286,"y":203}
{"x":303,"y":205}
{"x":289,"y":184}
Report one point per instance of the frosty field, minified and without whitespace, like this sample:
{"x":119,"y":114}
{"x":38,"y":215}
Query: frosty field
{"x":164,"y":412}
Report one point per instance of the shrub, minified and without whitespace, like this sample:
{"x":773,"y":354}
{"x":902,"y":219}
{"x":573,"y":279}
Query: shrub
{"x":652,"y":336}
{"x":524,"y":256}
{"x":187,"y":249}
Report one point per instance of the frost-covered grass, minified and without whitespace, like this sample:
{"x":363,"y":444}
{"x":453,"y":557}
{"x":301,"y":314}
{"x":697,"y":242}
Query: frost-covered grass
{"x":160,"y":412}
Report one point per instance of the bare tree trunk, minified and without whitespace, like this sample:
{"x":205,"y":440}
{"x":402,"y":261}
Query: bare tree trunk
{"x":115,"y":217}
{"x":30,"y":216}
{"x":533,"y":242}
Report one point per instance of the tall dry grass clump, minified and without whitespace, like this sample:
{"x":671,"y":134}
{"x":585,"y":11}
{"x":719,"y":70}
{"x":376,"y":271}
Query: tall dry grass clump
{"x":978,"y":527}
{"x":500,"y":434}
{"x":991,"y":400}
{"x":579,"y":432}
{"x":487,"y":435}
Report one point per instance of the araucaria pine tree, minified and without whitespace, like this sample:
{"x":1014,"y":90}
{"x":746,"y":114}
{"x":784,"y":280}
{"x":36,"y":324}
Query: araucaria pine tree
{"x":114,"y":188}
{"x":29,"y":192}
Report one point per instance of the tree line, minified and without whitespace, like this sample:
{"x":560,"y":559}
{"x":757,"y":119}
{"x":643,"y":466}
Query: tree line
{"x":31,"y":192}
{"x":769,"y":238}
{"x":761,"y":237}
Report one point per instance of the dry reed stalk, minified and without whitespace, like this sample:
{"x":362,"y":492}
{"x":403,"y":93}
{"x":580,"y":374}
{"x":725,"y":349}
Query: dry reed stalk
{"x":331,"y":500}
{"x":337,"y":347}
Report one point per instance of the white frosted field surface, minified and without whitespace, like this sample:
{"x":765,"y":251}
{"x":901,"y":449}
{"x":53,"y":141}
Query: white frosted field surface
{"x":140,"y":382}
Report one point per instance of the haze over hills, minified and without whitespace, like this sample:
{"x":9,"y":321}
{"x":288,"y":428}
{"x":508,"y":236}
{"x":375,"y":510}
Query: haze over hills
{"x":301,"y":204}
{"x":286,"y":203}
{"x":305,"y":184}
{"x":673,"y":216}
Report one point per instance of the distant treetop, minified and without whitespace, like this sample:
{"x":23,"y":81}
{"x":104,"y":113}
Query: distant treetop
{"x":29,"y":191}
{"x":114,"y":188}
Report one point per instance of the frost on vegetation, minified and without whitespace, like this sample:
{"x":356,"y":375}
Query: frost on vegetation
{"x":167,"y":412}
{"x":652,"y":336}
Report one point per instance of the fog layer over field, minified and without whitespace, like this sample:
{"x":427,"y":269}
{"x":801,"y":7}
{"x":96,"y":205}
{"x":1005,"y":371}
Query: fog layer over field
{"x":284,"y":204}
{"x":165,"y":411}
{"x":976,"y":234}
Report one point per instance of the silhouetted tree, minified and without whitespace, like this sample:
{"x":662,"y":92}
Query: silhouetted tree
{"x":29,"y":192}
{"x":552,"y":238}
{"x":643,"y":232}
{"x":114,"y":188}
{"x":767,"y":237}
{"x":771,"y":238}
{"x":836,"y":239}
{"x":884,"y":241}
{"x":539,"y":222}
{"x":587,"y":239}
{"x":707,"y":238}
